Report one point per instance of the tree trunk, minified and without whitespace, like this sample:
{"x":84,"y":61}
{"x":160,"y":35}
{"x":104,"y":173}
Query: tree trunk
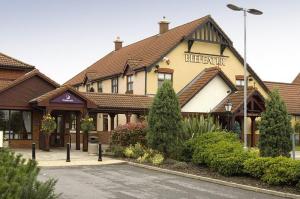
{"x":85,"y":141}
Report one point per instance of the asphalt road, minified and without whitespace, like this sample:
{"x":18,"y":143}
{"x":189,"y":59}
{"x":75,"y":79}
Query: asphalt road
{"x":124,"y":181}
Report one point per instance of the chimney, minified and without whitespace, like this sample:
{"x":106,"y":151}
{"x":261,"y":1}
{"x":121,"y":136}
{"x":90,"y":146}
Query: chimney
{"x":118,"y":44}
{"x":163,"y":25}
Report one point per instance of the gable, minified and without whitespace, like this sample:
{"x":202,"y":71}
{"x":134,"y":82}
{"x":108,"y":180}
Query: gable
{"x":19,"y":95}
{"x":67,"y":98}
{"x":208,"y":97}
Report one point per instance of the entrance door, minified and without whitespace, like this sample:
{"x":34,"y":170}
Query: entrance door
{"x":57,"y":138}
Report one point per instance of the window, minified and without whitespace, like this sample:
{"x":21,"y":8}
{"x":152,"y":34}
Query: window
{"x":16,"y":124}
{"x":239,"y":82}
{"x":162,"y":77}
{"x":73,"y":122}
{"x":105,"y":122}
{"x":100,"y":87}
{"x":88,"y":87}
{"x":114,"y":85}
{"x":130,"y":83}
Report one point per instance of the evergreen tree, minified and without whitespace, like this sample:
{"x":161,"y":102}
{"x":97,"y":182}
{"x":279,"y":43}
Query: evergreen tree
{"x":164,"y":120}
{"x":18,"y":179}
{"x":275,"y":128}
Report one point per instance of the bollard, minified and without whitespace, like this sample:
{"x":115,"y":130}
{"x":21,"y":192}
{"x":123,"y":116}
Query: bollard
{"x":33,"y":151}
{"x":100,"y":153}
{"x":68,"y":153}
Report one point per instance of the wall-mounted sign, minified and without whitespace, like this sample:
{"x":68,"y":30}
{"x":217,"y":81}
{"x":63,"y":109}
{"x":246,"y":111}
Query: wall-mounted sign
{"x":216,"y":60}
{"x":68,"y":98}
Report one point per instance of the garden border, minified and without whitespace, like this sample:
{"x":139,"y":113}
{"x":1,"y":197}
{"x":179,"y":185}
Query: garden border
{"x":217,"y":181}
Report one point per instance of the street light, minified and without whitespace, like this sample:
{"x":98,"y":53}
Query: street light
{"x":254,"y":12}
{"x":228,"y":107}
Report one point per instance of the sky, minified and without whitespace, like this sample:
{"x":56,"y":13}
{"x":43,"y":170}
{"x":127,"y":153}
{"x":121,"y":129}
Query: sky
{"x":63,"y":37}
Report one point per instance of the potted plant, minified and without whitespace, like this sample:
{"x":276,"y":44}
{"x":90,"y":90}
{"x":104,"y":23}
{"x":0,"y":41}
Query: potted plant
{"x":48,"y":126}
{"x":86,"y":125}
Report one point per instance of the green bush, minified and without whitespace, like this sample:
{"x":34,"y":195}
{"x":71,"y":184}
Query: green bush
{"x":164,"y":120}
{"x":180,"y":165}
{"x":18,"y":179}
{"x":128,"y":152}
{"x":274,"y":171}
{"x":200,"y":144}
{"x":157,"y":159}
{"x":118,"y":151}
{"x":138,"y":150}
{"x":129,"y":134}
{"x":144,"y":158}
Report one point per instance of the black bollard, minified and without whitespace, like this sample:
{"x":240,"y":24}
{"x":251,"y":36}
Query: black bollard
{"x":68,"y":153}
{"x":33,"y":151}
{"x":100,"y":153}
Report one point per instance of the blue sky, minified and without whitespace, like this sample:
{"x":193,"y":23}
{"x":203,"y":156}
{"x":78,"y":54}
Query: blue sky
{"x":63,"y":37}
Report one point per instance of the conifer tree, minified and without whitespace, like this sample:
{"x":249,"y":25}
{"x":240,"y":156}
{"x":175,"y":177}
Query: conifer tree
{"x":275,"y":128}
{"x":164,"y":120}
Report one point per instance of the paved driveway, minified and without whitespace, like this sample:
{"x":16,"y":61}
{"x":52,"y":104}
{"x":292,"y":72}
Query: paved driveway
{"x":124,"y":181}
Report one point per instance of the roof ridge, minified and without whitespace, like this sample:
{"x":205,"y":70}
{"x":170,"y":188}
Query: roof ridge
{"x":27,"y":65}
{"x":287,"y":83}
{"x":117,"y":94}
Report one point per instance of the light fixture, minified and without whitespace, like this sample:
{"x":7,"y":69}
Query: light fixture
{"x":228,"y":106}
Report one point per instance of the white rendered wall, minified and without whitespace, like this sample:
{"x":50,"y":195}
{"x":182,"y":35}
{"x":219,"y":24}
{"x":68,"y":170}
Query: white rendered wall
{"x":209,"y":97}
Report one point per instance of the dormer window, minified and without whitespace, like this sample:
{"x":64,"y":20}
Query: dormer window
{"x":130,"y":84}
{"x":89,"y":88}
{"x":164,"y":76}
{"x":100,"y":87}
{"x":114,"y":85}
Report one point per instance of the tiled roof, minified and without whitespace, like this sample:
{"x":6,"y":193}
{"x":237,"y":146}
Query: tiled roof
{"x":296,"y":80}
{"x":199,"y":82}
{"x":27,"y":76}
{"x":120,"y":101}
{"x":9,"y":62}
{"x":236,"y":98}
{"x":290,"y":94}
{"x":140,"y":54}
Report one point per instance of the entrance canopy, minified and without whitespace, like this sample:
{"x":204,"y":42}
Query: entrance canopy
{"x":64,"y":98}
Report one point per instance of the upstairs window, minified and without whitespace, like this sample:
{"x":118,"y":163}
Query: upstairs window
{"x":162,"y":77}
{"x":100,"y":87}
{"x":239,"y":80}
{"x":114,"y":85}
{"x":130,"y":84}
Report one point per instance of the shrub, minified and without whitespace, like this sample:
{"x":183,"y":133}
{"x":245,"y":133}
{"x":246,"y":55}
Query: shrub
{"x":18,"y":178}
{"x":164,"y":120}
{"x":275,"y":128}
{"x":157,"y":159}
{"x":200,"y":144}
{"x":138,"y":150}
{"x":145,"y":158}
{"x":197,"y":125}
{"x":274,"y":171}
{"x":128,"y":152}
{"x":282,"y":171}
{"x":118,"y":151}
{"x":129,"y":134}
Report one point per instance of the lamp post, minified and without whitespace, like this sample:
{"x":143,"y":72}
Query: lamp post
{"x":228,"y":107}
{"x":254,"y":12}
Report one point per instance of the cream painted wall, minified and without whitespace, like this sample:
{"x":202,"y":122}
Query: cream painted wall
{"x":209,"y":97}
{"x":184,"y":72}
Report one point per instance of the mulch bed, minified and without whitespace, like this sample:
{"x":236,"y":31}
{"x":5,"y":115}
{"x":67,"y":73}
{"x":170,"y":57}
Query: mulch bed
{"x":206,"y":172}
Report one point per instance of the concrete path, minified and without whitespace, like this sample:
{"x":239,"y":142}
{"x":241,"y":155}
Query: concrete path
{"x":57,"y":158}
{"x":125,"y":181}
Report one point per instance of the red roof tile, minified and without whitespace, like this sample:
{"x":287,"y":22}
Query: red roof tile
{"x":9,"y":62}
{"x":290,"y":93}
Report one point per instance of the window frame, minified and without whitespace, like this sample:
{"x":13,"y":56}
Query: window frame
{"x":9,"y":124}
{"x":160,"y":81}
{"x":115,"y":85}
{"x":100,"y":87}
{"x":129,"y":83}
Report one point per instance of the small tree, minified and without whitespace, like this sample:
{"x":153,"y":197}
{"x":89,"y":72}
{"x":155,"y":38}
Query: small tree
{"x":164,"y":120}
{"x":275,"y":128}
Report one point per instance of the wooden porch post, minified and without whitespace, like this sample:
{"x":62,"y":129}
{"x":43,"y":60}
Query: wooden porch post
{"x":128,"y":117}
{"x":78,"y":119}
{"x":252,"y":131}
{"x":112,"y":121}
